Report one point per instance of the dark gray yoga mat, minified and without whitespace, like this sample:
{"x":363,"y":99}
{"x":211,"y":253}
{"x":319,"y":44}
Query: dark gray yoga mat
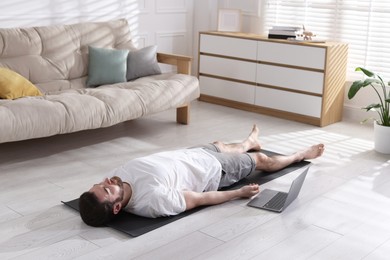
{"x":134,"y":225}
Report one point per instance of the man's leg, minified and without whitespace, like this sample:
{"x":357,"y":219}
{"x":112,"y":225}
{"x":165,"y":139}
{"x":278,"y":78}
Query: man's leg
{"x":251,"y":143}
{"x":277,"y":162}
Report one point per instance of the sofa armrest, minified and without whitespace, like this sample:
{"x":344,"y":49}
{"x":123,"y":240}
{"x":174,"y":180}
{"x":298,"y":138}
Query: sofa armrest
{"x":183,"y":63}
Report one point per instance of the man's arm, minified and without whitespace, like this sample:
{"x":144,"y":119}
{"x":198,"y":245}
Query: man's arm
{"x":196,"y":199}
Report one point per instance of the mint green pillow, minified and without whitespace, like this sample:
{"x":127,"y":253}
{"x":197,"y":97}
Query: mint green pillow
{"x":106,"y":66}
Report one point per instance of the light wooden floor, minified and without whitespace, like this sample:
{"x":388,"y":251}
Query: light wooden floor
{"x":343,"y":210}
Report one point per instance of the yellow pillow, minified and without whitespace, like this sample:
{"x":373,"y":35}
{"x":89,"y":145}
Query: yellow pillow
{"x":14,"y":85}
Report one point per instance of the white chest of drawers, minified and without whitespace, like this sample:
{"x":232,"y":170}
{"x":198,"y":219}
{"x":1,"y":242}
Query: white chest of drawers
{"x":297,"y":81}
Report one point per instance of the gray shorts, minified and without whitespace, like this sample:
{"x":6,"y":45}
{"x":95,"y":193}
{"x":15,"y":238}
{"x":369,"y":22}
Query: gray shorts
{"x":235,"y":166}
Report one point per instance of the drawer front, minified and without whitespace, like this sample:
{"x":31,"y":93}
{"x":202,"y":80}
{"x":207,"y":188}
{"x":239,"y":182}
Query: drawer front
{"x":227,"y":89}
{"x":228,"y":46}
{"x":303,"y":80}
{"x":288,"y":101}
{"x":291,"y":54}
{"x":241,"y":70}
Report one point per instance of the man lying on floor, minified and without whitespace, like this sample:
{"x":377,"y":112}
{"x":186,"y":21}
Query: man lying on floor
{"x":172,"y":182}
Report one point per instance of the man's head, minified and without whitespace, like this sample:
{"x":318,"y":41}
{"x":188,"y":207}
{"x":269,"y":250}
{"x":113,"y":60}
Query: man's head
{"x":102,"y":202}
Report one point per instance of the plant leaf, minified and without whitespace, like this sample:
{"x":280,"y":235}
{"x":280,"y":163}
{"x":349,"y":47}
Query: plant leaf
{"x":366,"y":72}
{"x":358,"y":84}
{"x":372,"y":106}
{"x":370,"y":81}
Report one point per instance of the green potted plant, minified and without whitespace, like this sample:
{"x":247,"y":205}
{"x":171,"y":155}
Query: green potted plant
{"x":381,"y":125}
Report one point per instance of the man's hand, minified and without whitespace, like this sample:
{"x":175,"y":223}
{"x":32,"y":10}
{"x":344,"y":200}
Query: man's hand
{"x":196,"y":199}
{"x":250,"y":190}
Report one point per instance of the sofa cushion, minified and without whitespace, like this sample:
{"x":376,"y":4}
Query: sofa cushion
{"x":56,"y":56}
{"x":143,"y":62}
{"x":79,"y":109}
{"x":106,"y":66}
{"x":14,"y":85}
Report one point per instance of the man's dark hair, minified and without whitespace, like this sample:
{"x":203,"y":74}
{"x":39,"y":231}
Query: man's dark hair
{"x":93,"y":212}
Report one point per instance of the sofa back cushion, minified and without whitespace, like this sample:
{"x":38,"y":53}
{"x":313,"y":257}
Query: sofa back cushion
{"x":55,"y":58}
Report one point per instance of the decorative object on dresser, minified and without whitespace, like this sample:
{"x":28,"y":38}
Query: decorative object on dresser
{"x":381,"y":125}
{"x":292,"y":80}
{"x":284,"y":32}
{"x":229,"y":20}
{"x":306,"y":36}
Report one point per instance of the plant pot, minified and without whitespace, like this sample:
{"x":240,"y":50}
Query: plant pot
{"x":382,"y":138}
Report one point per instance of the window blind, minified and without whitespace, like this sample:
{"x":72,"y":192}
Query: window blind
{"x":363,"y":24}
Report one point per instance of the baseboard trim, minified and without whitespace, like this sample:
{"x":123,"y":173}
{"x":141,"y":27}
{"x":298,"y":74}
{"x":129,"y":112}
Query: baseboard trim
{"x":357,"y":114}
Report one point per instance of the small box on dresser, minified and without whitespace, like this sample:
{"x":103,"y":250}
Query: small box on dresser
{"x":292,"y":80}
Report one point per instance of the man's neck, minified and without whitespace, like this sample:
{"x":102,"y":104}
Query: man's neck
{"x":127,"y":194}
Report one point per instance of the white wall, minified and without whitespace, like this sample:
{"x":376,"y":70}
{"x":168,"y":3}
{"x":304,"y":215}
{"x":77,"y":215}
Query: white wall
{"x":173,"y":25}
{"x":167,"y":23}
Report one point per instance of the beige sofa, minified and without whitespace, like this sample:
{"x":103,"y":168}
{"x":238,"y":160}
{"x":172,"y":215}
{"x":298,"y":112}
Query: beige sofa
{"x":55,"y":59}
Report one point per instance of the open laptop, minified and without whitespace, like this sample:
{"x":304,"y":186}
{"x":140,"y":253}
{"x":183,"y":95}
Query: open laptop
{"x":277,"y":200}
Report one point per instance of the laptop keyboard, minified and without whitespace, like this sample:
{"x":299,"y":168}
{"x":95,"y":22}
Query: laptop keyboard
{"x":277,"y":201}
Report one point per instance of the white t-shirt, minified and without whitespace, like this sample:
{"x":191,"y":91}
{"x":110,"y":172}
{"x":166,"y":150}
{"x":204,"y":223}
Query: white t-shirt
{"x":157,"y":180}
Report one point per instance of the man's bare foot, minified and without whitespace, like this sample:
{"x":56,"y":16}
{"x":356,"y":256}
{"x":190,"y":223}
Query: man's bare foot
{"x":312,"y":152}
{"x":252,"y":140}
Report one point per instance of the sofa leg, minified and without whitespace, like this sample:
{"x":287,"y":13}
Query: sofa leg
{"x":183,"y":115}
